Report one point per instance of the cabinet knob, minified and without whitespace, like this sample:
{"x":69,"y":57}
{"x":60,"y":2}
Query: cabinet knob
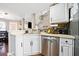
{"x":66,"y":41}
{"x":31,"y":43}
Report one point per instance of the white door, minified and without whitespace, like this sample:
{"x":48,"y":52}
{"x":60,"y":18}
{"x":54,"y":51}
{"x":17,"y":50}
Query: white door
{"x":19,"y":46}
{"x":26,"y":45}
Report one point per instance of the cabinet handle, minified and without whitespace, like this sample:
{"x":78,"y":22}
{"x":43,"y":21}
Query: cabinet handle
{"x":61,"y":48}
{"x":31,"y":43}
{"x":21,"y":44}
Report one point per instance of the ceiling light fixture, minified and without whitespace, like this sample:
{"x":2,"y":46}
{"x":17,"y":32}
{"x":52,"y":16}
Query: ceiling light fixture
{"x":6,"y":13}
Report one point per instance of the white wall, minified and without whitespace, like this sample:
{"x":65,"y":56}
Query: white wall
{"x":7,"y":22}
{"x":23,"y":10}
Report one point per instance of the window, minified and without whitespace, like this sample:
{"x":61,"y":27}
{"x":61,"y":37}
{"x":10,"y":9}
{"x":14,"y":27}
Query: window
{"x":2,"y":26}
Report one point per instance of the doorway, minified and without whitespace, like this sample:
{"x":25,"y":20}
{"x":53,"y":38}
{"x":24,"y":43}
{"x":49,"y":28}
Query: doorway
{"x":3,"y":38}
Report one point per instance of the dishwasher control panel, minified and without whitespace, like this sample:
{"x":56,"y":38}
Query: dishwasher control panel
{"x":48,"y":37}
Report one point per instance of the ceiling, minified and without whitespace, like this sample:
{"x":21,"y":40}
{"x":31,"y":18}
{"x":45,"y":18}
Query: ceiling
{"x":22,"y":10}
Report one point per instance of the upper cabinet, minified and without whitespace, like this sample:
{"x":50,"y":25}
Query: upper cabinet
{"x":59,"y":13}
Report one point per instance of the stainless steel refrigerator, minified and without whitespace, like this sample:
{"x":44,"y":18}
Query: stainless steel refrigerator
{"x":74,"y":30}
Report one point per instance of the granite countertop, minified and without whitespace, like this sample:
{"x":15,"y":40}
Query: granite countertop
{"x":58,"y":35}
{"x":17,"y":32}
{"x":43,"y":34}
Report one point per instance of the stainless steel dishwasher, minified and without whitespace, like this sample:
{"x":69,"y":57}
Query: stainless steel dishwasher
{"x":53,"y":46}
{"x":50,"y":46}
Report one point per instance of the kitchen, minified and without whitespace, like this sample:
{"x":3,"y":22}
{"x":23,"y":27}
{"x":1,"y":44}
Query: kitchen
{"x":39,"y":29}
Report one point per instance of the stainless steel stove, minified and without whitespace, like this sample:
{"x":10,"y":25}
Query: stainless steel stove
{"x":4,"y":36}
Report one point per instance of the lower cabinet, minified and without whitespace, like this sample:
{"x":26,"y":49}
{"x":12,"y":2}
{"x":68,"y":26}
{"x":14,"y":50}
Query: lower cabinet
{"x":66,"y":47}
{"x":36,"y":45}
{"x":24,"y":45}
{"x":66,"y":50}
{"x":15,"y":45}
{"x":19,"y":45}
{"x":31,"y":44}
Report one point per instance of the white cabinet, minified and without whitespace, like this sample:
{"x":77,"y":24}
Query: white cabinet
{"x":66,"y":51}
{"x":36,"y":44}
{"x":24,"y":45}
{"x":16,"y":45}
{"x":59,"y":13}
{"x":19,"y":45}
{"x":66,"y":47}
{"x":31,"y":44}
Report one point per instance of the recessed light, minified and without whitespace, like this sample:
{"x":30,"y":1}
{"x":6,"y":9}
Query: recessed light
{"x":6,"y":13}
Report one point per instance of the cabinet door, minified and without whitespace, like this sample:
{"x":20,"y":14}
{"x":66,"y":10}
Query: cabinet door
{"x":19,"y":46}
{"x":66,"y":51}
{"x":66,"y":47}
{"x":12,"y":44}
{"x":26,"y":45}
{"x":58,"y":13}
{"x":36,"y":44}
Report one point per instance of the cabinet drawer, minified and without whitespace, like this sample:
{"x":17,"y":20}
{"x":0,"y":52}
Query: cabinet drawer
{"x":66,"y":41}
